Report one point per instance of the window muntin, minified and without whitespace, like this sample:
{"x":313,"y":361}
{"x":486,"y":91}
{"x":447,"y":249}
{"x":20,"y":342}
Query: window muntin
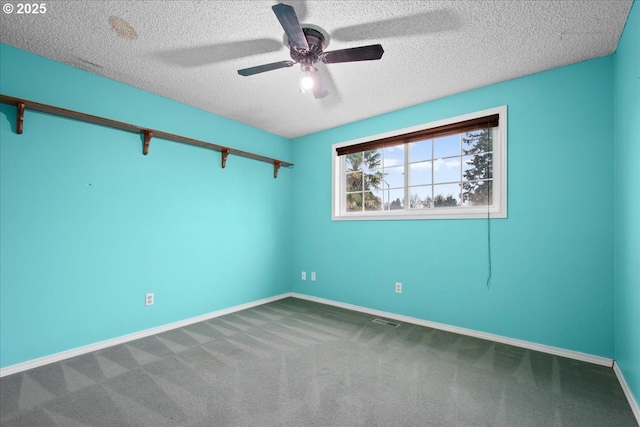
{"x":461,"y":175}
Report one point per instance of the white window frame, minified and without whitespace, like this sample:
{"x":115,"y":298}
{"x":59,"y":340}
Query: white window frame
{"x":498,"y":209}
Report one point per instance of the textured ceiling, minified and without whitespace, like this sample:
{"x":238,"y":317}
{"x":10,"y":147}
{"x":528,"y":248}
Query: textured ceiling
{"x":189,"y":51}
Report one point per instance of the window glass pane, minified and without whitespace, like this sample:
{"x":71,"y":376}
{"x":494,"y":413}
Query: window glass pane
{"x":420,"y":197}
{"x":420,"y":173}
{"x":446,"y":170}
{"x":375,"y":196}
{"x":477,"y":193}
{"x":394,"y":199}
{"x":479,"y":141}
{"x":372,"y":180}
{"x":354,"y":181}
{"x":477,"y":167}
{"x":393,"y":177}
{"x":372,"y":202}
{"x":354,"y":202}
{"x":393,"y":156}
{"x":446,"y":195}
{"x":446,"y":146}
{"x":420,"y":151}
{"x":353,"y":162}
{"x":372,"y":160}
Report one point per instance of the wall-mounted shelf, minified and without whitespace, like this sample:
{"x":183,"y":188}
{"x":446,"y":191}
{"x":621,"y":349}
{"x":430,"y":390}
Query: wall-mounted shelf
{"x":147,"y":133}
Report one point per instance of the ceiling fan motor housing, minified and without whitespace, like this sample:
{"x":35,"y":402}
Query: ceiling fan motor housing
{"x":315,"y":40}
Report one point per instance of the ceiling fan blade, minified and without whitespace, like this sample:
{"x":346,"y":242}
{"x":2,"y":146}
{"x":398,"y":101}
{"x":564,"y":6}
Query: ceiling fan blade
{"x":289,"y":21}
{"x":319,"y":89}
{"x":300,"y":6}
{"x":362,"y":53}
{"x":266,"y":67}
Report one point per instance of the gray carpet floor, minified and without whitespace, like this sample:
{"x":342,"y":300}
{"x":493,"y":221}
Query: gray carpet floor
{"x":298,"y":363}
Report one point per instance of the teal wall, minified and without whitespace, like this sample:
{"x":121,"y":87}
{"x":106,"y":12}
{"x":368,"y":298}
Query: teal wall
{"x":89,"y":224}
{"x":627,"y":212}
{"x":552,"y":256}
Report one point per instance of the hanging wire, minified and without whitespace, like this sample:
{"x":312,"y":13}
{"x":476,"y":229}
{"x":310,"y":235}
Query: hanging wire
{"x":489,"y":196}
{"x":489,"y":245}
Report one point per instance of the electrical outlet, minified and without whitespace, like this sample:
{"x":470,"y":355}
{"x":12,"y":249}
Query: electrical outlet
{"x":149,"y":299}
{"x":313,"y":276}
{"x":304,"y":275}
{"x":398,"y":287}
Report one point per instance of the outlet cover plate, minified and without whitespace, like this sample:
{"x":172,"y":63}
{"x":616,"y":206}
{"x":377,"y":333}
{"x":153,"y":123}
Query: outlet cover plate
{"x":149,"y":299}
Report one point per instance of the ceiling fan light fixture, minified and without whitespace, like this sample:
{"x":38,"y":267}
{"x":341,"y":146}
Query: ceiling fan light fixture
{"x":306,"y":47}
{"x":306,"y":79}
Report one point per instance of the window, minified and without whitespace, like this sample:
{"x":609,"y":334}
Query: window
{"x":453,"y":168}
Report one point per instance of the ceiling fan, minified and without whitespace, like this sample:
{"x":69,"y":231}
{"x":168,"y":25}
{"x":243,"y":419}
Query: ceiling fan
{"x":306,"y":46}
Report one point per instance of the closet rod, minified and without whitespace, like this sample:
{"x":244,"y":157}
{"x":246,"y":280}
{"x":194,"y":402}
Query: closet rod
{"x":147,"y":133}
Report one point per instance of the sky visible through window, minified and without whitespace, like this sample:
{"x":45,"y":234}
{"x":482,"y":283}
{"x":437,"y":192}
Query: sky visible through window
{"x":454,"y":170}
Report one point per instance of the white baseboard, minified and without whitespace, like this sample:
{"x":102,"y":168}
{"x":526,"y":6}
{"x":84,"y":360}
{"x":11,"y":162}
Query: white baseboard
{"x":34,"y":363}
{"x":598,"y":360}
{"x":19,"y":367}
{"x":635,"y":408}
